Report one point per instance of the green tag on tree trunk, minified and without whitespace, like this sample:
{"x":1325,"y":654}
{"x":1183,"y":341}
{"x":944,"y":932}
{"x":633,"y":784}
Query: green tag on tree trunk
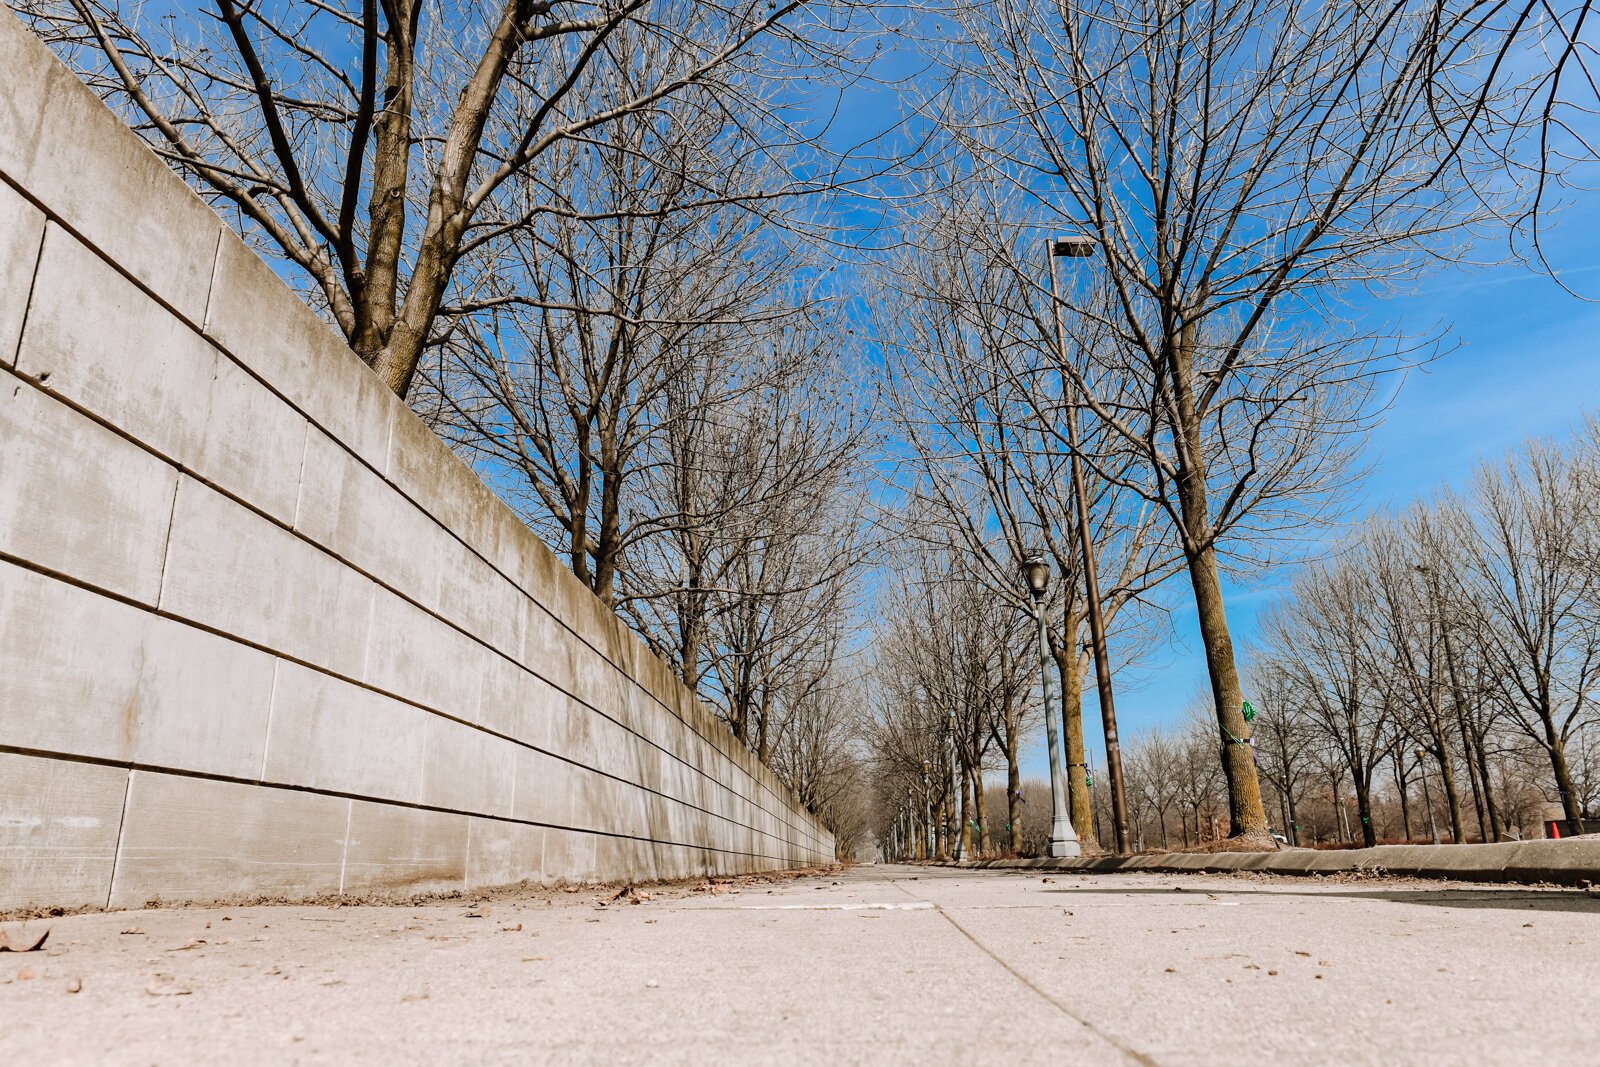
{"x":1249,"y":712}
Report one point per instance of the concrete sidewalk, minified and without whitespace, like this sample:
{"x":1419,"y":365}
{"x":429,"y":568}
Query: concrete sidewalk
{"x":1574,"y":862}
{"x":888,"y":965}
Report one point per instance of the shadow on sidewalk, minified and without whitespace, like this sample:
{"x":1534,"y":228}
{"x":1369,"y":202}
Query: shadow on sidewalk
{"x":1572,"y":900}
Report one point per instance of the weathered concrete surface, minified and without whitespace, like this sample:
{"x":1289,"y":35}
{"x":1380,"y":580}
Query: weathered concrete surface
{"x":260,"y":630}
{"x":875,"y":965}
{"x":1569,"y":862}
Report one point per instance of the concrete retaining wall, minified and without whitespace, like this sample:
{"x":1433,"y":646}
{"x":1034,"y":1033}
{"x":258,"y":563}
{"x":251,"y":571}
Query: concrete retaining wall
{"x":260,"y":631}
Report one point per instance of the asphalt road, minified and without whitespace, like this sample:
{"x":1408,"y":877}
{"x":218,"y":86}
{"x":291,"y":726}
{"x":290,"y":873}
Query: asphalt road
{"x":873,"y":965}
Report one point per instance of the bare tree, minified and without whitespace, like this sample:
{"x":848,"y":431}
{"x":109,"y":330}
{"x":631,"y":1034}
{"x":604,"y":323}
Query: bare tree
{"x":1240,"y":165}
{"x":1154,"y":773}
{"x":1283,"y":738}
{"x":947,"y":652}
{"x":1413,"y":629}
{"x":1323,"y":639}
{"x":1516,"y":534}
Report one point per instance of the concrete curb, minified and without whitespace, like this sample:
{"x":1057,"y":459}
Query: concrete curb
{"x":1523,"y":862}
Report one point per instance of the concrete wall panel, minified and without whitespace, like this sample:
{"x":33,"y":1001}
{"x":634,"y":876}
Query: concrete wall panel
{"x":544,"y":791}
{"x":245,"y":587}
{"x":414,"y":655}
{"x":77,"y":499}
{"x":404,"y":850}
{"x":503,"y":853}
{"x":233,"y":570}
{"x":334,"y":735}
{"x":199,"y":839}
{"x":570,"y":856}
{"x":467,"y":769}
{"x":58,"y":830}
{"x":348,"y":509}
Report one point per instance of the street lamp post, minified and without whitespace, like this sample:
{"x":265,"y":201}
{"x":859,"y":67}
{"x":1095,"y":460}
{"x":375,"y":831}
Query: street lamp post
{"x":913,"y":824}
{"x":1077,"y":247}
{"x":1063,"y":839}
{"x":958,"y":798}
{"x":928,"y":845}
{"x":1427,"y":796}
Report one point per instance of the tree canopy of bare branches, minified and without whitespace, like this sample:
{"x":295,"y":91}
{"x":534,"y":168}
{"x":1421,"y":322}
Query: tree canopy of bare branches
{"x":376,"y":146}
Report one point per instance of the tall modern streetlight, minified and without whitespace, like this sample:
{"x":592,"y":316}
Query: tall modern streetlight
{"x":1079,"y":247}
{"x":958,"y":839}
{"x":1427,"y":795}
{"x":1063,"y":840}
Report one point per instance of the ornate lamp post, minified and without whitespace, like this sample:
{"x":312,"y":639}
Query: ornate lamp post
{"x":1063,"y":840}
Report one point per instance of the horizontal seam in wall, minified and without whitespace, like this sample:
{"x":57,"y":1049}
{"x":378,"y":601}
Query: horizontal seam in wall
{"x":69,"y":757}
{"x":254,"y":510}
{"x":67,"y":579}
{"x":199,"y":329}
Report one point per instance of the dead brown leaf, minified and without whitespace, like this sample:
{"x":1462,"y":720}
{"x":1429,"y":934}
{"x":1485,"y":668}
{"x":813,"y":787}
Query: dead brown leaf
{"x":517,"y":929}
{"x":26,"y":975}
{"x":24,"y":946}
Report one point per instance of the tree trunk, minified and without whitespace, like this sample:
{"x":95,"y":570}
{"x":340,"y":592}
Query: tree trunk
{"x":1293,"y":833}
{"x":1400,"y":785}
{"x":1246,"y":817}
{"x":1369,"y":836}
{"x":1069,"y":668}
{"x":1496,"y":826}
{"x":980,"y":817}
{"x":1558,"y":764}
{"x":1452,"y":794}
{"x":1013,"y":805}
{"x":1472,"y":780}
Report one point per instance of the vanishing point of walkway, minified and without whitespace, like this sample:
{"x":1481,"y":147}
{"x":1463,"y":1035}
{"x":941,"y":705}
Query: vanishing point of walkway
{"x":870,"y":965}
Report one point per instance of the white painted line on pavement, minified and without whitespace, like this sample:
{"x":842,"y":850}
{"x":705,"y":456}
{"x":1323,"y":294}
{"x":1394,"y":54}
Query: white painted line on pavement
{"x":920,"y":905}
